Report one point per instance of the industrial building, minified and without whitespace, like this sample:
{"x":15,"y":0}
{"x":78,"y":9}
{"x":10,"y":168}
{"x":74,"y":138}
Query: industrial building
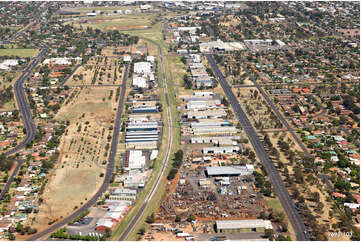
{"x":230,"y":170}
{"x":123,"y":194}
{"x":139,"y":81}
{"x":217,"y":140}
{"x":135,"y":160}
{"x":206,"y":114}
{"x":202,"y":105}
{"x":144,"y":68}
{"x":224,"y":130}
{"x":236,"y":226}
{"x":220,"y":150}
{"x":135,"y":179}
{"x":142,"y":126}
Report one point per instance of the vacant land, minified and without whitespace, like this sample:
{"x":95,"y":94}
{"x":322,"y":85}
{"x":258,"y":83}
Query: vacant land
{"x":90,"y":113}
{"x":89,"y":9}
{"x":18,"y":52}
{"x":6,"y":80}
{"x":98,"y":70}
{"x":154,"y":33}
{"x":275,"y":205}
{"x":122,"y":22}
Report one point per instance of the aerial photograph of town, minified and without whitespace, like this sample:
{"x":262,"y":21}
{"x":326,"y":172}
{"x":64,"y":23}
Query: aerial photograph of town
{"x":180,"y":120}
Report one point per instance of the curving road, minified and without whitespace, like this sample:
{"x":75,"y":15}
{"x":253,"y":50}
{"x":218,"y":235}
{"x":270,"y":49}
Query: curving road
{"x":109,"y":170}
{"x":26,"y":116}
{"x":275,"y":178}
{"x":150,"y":195}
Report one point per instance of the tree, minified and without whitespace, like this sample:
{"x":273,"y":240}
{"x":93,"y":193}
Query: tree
{"x":269,"y":234}
{"x":191,"y":218}
{"x":11,"y":236}
{"x":108,"y":233}
{"x":150,"y":219}
{"x":142,"y":231}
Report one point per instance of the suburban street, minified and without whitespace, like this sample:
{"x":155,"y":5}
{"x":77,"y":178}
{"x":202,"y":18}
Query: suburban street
{"x":109,"y":170}
{"x":165,"y":160}
{"x":276,"y":180}
{"x":69,"y":75}
{"x":283,"y":120}
{"x":26,"y":117}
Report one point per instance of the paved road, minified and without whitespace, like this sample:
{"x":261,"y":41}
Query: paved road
{"x":69,"y":75}
{"x":26,"y":117}
{"x":347,"y":132}
{"x":96,"y":85}
{"x":276,"y":180}
{"x":279,"y":115}
{"x":109,"y":170}
{"x":323,"y":110}
{"x":150,"y":195}
{"x":37,"y":19}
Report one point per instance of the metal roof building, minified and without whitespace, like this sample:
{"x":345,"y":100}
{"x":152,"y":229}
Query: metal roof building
{"x":215,"y":130}
{"x":217,"y":113}
{"x":136,"y":159}
{"x":220,"y":150}
{"x":230,"y":170}
{"x":143,"y":67}
{"x":242,"y":225}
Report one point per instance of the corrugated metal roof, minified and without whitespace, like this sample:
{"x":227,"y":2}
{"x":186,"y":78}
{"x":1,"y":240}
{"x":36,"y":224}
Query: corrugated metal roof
{"x":243,"y":224}
{"x":229,"y":170}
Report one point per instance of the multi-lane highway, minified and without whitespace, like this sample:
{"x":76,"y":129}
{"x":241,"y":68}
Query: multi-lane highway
{"x":26,"y":117}
{"x":276,"y":180}
{"x":109,"y":170}
{"x":165,"y":160}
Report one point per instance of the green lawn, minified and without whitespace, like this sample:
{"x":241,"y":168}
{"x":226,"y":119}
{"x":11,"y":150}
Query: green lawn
{"x":18,"y":52}
{"x":276,"y":206}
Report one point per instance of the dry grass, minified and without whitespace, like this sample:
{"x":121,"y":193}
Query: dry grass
{"x":105,"y":72}
{"x":76,"y":176}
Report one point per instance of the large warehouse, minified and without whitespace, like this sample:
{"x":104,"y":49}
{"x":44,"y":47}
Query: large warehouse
{"x":230,"y":170}
{"x":236,"y":226}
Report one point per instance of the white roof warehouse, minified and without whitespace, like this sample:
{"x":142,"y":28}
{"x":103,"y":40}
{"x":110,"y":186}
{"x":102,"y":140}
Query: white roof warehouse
{"x":242,"y":225}
{"x":230,"y":170}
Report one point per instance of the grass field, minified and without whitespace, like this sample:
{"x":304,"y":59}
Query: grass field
{"x":122,"y":22}
{"x":83,"y":148}
{"x":155,"y":34}
{"x":18,"y":52}
{"x":276,"y":206}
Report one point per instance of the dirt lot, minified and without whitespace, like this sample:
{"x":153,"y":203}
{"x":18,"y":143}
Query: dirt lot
{"x":6,"y":80}
{"x":83,"y":148}
{"x":121,"y":22}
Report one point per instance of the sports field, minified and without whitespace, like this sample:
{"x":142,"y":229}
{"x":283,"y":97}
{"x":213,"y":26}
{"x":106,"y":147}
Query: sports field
{"x":18,"y":52}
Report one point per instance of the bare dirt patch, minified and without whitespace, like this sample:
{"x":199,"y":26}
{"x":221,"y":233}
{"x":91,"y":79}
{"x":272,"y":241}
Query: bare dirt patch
{"x":84,"y":148}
